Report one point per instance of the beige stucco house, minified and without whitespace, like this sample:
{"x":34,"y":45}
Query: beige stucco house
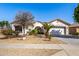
{"x":60,"y":27}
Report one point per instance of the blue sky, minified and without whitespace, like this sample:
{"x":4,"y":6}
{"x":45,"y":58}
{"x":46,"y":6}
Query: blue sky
{"x":41,"y":11}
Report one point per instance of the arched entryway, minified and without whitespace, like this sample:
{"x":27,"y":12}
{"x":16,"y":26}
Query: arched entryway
{"x":18,"y":28}
{"x":40,"y":30}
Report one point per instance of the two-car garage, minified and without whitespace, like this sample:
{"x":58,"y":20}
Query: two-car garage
{"x":57,"y":31}
{"x":60,"y":27}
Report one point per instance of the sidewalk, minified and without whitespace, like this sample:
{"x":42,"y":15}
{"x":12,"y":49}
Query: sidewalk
{"x":31,"y":46}
{"x":67,"y":49}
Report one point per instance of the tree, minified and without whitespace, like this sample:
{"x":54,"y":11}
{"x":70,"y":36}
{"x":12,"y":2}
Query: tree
{"x":5,"y":25}
{"x":47,"y":27}
{"x":24,"y":19}
{"x":76,"y":14}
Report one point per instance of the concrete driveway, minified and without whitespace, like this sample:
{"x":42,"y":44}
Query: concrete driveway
{"x":71,"y":48}
{"x":73,"y":41}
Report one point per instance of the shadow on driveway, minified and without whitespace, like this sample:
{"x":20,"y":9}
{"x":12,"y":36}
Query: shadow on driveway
{"x":67,"y":36}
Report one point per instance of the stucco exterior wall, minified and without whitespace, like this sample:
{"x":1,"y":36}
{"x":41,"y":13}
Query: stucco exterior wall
{"x":67,"y":30}
{"x":13,"y":28}
{"x":58,"y":23}
{"x":37,"y":24}
{"x":77,"y":30}
{"x":61,"y":24}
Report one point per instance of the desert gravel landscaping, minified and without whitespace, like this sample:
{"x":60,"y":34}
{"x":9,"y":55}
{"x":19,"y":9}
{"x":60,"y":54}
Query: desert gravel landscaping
{"x":29,"y":52}
{"x":31,"y":40}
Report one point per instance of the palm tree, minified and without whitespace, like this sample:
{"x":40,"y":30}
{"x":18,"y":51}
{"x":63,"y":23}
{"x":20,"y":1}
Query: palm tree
{"x":24,"y":19}
{"x":47,"y":27}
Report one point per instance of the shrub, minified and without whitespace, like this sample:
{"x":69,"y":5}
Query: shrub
{"x":33,"y":32}
{"x":16,"y":33}
{"x":40,"y":30}
{"x":7,"y":32}
{"x":76,"y":33}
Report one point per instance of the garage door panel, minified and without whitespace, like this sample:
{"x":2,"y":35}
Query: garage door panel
{"x":57,"y":31}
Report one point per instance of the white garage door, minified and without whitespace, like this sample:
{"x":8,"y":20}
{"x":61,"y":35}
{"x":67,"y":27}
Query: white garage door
{"x":57,"y":31}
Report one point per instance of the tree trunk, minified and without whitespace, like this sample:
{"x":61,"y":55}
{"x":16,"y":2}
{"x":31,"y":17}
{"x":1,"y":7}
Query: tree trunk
{"x":47,"y":36}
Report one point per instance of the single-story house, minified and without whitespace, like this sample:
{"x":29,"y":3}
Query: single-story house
{"x":74,"y":28}
{"x":60,"y":27}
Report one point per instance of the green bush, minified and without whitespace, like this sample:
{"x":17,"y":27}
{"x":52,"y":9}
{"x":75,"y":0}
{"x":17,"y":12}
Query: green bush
{"x":7,"y":32}
{"x":40,"y":32}
{"x":33,"y":32}
{"x":76,"y":33}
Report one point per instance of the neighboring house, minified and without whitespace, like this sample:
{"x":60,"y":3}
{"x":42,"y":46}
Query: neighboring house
{"x":74,"y":28}
{"x":60,"y":27}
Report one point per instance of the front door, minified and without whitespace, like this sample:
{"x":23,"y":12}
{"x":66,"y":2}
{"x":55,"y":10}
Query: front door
{"x":18,"y":28}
